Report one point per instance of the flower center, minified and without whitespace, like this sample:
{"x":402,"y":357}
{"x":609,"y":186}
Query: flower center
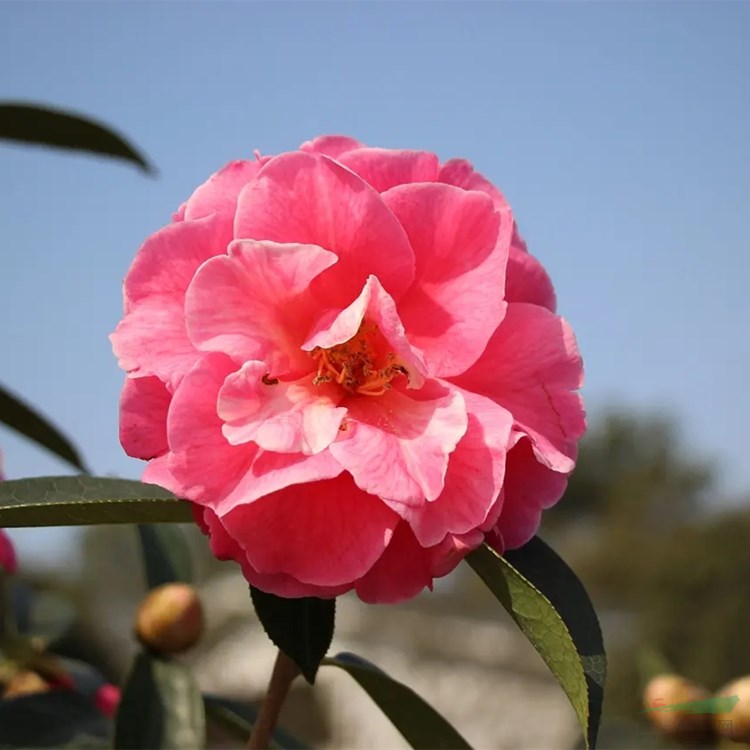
{"x":361,"y":365}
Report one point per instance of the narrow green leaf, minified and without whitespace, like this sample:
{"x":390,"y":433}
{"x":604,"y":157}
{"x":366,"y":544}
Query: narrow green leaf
{"x":420,"y":724}
{"x":166,"y":555}
{"x":50,"y":126}
{"x":553,"y":610}
{"x":161,"y":707}
{"x":23,"y":419}
{"x":73,"y":501}
{"x":238,"y":719}
{"x":301,"y":628}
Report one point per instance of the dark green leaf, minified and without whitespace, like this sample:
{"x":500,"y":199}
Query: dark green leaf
{"x":552,"y":609}
{"x":73,"y":501}
{"x":49,"y":719}
{"x":19,"y":416}
{"x":48,"y":126}
{"x":161,"y":707}
{"x":420,"y":724}
{"x":301,"y":628}
{"x":166,"y":555}
{"x":238,"y":719}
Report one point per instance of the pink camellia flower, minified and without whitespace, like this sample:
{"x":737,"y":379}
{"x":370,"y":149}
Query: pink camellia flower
{"x":8,"y":561}
{"x":347,"y":360}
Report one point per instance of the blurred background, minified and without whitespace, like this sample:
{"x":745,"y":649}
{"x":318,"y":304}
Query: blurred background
{"x":619,"y":134}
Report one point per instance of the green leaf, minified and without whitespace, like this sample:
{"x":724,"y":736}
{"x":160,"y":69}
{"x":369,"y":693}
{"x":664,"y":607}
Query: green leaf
{"x":50,"y":126}
{"x":301,"y":628}
{"x":73,"y":501}
{"x":553,"y":610}
{"x":161,"y":707}
{"x":420,"y":724}
{"x":20,"y":417}
{"x":238,"y":719}
{"x":166,"y":555}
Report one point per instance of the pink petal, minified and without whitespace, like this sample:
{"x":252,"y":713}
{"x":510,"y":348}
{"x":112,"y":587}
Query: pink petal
{"x":444,"y":557}
{"x":207,"y":468}
{"x":330,"y":145}
{"x":167,"y":261}
{"x":376,"y":306}
{"x":527,"y":281}
{"x":265,"y":308}
{"x":461,"y":247}
{"x":179,"y":214}
{"x":201,"y":459}
{"x":157,"y":472}
{"x":531,"y":366}
{"x":385,"y":168}
{"x":224,"y":547}
{"x":143,"y":417}
{"x":401,"y":572}
{"x":309,"y":198}
{"x":8,"y":560}
{"x":152,"y":340}
{"x":474,"y":478}
{"x":286,"y":417}
{"x":218,"y":195}
{"x":460,"y":172}
{"x":530,"y":487}
{"x":325,"y":533}
{"x":397,"y":445}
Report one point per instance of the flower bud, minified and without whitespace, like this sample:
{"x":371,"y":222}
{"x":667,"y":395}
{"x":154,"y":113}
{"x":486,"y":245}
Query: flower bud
{"x":170,"y":618}
{"x":8,"y":562}
{"x":662,"y":700}
{"x":25,"y":683}
{"x":734,"y":724}
{"x":107,"y":699}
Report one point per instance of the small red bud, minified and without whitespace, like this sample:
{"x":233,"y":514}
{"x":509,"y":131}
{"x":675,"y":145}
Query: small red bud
{"x":107,"y":699}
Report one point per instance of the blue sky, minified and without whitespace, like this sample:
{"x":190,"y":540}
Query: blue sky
{"x":618,"y":131}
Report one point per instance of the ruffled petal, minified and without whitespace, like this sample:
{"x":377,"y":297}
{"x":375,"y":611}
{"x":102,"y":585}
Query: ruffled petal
{"x":461,"y":173}
{"x":461,"y":248}
{"x":195,"y":438}
{"x":530,"y":488}
{"x":167,"y":261}
{"x":444,"y":557}
{"x":218,"y":195}
{"x":309,"y":198}
{"x":151,"y":339}
{"x":527,"y":281}
{"x":265,"y":307}
{"x":143,"y":417}
{"x":325,"y":533}
{"x":402,"y":571}
{"x":384,"y":168}
{"x":281,"y":416}
{"x":474,"y":478}
{"x":531,"y":367}
{"x":225,"y":547}
{"x":397,"y":446}
{"x":198,"y":446}
{"x":330,"y":145}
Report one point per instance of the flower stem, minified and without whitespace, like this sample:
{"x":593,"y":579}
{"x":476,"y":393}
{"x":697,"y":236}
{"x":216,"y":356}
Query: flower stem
{"x":284,"y":672}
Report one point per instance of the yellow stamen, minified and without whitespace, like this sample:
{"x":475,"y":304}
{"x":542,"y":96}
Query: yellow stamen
{"x":352,"y":365}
